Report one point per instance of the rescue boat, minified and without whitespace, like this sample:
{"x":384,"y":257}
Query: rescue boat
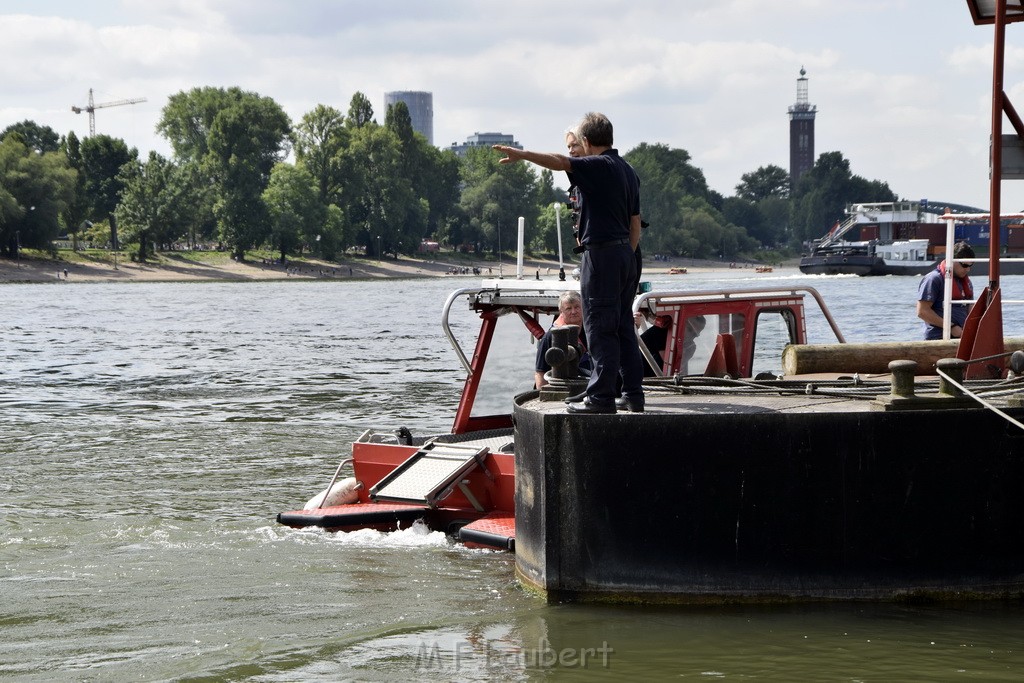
{"x":463,"y":482}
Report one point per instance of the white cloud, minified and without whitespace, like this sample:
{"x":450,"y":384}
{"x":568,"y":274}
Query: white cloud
{"x":902,"y":93}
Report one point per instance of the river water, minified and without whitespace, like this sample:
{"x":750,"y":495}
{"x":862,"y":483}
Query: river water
{"x":149,"y":434}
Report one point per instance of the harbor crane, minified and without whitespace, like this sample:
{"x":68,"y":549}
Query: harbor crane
{"x":92,"y":107}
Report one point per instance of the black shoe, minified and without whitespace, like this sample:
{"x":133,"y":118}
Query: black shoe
{"x":587,"y":406}
{"x":633,"y":405}
{"x":578,"y":398}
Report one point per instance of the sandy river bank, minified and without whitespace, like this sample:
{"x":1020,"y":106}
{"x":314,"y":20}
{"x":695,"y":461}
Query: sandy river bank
{"x":172,"y":268}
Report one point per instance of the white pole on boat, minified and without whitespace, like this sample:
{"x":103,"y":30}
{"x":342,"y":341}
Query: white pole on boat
{"x":519,"y":257}
{"x":947,"y":303}
{"x":558,"y":230}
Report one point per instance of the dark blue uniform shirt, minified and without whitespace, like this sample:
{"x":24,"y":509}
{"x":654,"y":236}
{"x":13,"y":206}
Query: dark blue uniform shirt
{"x":606,"y":211}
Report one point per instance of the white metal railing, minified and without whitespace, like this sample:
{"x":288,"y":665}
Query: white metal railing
{"x":947,"y":303}
{"x":683,"y":296}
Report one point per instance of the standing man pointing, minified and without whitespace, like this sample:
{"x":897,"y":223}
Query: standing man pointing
{"x":609,"y":234}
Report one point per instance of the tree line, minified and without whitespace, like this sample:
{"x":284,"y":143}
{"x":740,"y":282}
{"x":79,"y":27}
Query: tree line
{"x":243,"y":176}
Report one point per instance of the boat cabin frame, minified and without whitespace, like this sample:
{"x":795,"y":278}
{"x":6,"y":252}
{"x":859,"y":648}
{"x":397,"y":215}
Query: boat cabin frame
{"x":735,"y":320}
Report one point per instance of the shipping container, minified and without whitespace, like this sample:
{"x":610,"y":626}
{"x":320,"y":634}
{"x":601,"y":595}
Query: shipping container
{"x":935,"y":233}
{"x":975,"y":234}
{"x":869,"y":232}
{"x":905,"y":231}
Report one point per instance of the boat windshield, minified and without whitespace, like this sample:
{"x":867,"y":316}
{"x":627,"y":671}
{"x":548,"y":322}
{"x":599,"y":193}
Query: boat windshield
{"x":699,"y":338}
{"x":509,"y":368}
{"x":509,"y":356}
{"x":775,"y":329}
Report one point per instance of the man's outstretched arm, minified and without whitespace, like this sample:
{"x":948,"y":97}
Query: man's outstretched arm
{"x":554,"y":162}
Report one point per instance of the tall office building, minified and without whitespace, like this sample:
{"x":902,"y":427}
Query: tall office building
{"x":421,"y":109}
{"x":801,"y":132}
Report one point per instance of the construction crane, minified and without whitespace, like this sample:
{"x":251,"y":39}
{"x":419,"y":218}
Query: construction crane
{"x":92,"y":107}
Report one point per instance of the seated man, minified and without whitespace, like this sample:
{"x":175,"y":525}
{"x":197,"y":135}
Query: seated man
{"x":570,"y":312}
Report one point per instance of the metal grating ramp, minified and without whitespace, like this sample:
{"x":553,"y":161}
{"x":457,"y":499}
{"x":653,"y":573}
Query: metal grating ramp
{"x":429,"y":474}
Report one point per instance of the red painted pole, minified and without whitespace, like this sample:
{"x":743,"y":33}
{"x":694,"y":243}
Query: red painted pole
{"x":998,"y":99}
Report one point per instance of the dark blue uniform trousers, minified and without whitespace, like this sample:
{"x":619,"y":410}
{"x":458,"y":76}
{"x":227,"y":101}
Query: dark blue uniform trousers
{"x":608,"y":285}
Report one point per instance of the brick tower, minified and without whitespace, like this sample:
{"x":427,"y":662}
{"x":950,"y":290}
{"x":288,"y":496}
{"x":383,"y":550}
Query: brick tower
{"x":801,"y":132}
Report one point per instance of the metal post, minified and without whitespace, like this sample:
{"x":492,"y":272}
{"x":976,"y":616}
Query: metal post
{"x":519,"y":247}
{"x":947,"y":283}
{"x":998,"y":97}
{"x":558,"y":232}
{"x":902,"y":380}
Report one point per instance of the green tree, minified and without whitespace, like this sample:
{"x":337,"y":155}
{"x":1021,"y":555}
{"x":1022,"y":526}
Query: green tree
{"x":766,"y":181}
{"x":187,"y":118}
{"x":335,"y":232}
{"x":186,"y":122}
{"x":380,"y":197}
{"x":775,"y":212}
{"x":245,"y":142}
{"x":432,"y":174}
{"x":319,"y":142}
{"x":412,"y":168}
{"x":360,"y":111}
{"x":439,"y":185}
{"x":151,"y":202}
{"x":548,"y":193}
{"x":711,"y":237}
{"x":34,"y":189}
{"x":102,"y":159}
{"x":548,"y":220}
{"x":399,"y":122}
{"x":672,"y":193}
{"x":551,"y":222}
{"x":10,"y":208}
{"x":198,"y":222}
{"x":34,"y":136}
{"x":76,"y":213}
{"x":454,"y":231}
{"x":494,"y":196}
{"x":296,"y":213}
{"x":745,"y":213}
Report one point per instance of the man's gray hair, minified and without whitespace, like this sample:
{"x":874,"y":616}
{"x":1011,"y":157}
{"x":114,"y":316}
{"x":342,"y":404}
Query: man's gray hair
{"x":569,"y":296}
{"x":596,"y":129}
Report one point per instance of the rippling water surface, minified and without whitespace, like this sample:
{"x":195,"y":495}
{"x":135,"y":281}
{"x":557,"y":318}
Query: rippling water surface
{"x":149,"y":434}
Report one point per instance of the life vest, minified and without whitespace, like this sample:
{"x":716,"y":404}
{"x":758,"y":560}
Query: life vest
{"x":962,"y":287}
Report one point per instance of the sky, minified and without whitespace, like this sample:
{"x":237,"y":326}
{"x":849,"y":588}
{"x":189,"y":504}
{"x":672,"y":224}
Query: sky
{"x":902,"y":87}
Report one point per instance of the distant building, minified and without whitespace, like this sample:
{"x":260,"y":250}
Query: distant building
{"x":801,"y":132}
{"x":484,"y":140}
{"x":421,"y":109}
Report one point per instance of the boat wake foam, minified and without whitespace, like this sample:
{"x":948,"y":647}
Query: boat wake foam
{"x":416,"y":536}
